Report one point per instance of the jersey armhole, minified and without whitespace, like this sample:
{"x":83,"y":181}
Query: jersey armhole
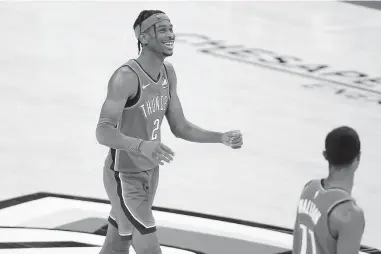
{"x":166,"y":70}
{"x":134,"y":100}
{"x":169,"y":82}
{"x":330,"y":210}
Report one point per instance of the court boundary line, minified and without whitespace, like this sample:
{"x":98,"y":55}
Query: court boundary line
{"x":39,"y":195}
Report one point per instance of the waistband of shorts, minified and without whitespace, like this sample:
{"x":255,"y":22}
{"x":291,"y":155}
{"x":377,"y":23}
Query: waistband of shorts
{"x":135,"y":170}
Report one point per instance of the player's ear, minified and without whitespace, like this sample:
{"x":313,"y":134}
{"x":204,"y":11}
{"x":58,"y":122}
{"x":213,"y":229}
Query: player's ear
{"x":144,"y":38}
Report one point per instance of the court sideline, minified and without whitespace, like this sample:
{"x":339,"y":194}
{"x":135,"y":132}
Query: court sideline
{"x":57,"y":58}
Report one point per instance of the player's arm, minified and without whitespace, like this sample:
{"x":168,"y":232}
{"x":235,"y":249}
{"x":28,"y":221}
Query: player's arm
{"x":347,"y":222}
{"x":178,"y":124}
{"x":122,"y":85}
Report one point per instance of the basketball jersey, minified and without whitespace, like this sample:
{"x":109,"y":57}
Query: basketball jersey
{"x":311,"y":232}
{"x":141,"y":118}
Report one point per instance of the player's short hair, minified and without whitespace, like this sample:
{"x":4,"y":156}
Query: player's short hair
{"x":342,"y":146}
{"x":143,"y":16}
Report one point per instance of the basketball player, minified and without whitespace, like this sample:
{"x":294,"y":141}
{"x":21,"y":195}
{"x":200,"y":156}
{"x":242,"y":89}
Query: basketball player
{"x":328,"y":219}
{"x":140,"y":93}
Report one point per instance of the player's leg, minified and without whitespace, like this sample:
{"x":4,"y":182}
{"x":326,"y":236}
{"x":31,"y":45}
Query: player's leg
{"x":141,"y":241}
{"x":116,"y":240}
{"x":153,"y":184}
{"x":115,"y":243}
{"x":145,"y":243}
{"x":137,"y":189}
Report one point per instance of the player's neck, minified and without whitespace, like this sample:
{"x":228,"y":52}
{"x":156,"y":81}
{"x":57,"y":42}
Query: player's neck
{"x":151,"y":63}
{"x":343,"y":180}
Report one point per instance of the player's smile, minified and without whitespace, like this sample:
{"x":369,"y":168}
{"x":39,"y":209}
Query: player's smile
{"x":169,"y":44}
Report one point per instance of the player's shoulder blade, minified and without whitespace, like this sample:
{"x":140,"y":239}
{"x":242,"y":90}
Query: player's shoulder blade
{"x":310,"y":186}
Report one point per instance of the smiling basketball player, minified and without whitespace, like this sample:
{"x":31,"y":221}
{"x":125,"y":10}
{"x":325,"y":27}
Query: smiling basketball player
{"x":140,"y":93}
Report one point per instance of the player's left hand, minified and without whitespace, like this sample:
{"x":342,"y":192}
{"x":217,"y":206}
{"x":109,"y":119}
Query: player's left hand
{"x":232,"y":139}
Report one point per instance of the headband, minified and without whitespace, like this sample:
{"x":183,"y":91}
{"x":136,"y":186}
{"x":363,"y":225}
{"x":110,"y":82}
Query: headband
{"x":148,"y":22}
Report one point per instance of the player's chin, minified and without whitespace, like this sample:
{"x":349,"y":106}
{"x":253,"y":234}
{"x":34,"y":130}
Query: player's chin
{"x":168,"y":52}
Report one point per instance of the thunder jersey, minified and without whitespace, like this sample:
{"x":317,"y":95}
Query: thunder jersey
{"x":141,"y":118}
{"x":311,"y":232}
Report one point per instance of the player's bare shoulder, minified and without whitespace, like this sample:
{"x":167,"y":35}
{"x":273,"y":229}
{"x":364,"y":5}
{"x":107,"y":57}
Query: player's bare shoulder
{"x":347,"y":216}
{"x":347,"y":212}
{"x":123,"y":82}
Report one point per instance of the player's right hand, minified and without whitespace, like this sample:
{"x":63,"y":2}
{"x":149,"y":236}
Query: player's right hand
{"x":156,"y":152}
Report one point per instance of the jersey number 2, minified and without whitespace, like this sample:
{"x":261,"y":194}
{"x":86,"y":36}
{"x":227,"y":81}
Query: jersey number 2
{"x":305,"y":233}
{"x":156,"y":126}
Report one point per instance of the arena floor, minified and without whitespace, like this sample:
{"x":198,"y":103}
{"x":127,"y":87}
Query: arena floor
{"x":284,"y":73}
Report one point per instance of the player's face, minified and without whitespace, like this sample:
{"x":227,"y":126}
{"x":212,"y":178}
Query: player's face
{"x":164,"y":38}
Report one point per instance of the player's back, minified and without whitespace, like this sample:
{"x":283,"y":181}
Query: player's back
{"x":311,"y":233}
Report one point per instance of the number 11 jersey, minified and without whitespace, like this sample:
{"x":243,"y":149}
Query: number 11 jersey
{"x":311,"y":233}
{"x":141,"y":118}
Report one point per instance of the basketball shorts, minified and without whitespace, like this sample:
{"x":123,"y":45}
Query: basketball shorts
{"x":131,"y":196}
